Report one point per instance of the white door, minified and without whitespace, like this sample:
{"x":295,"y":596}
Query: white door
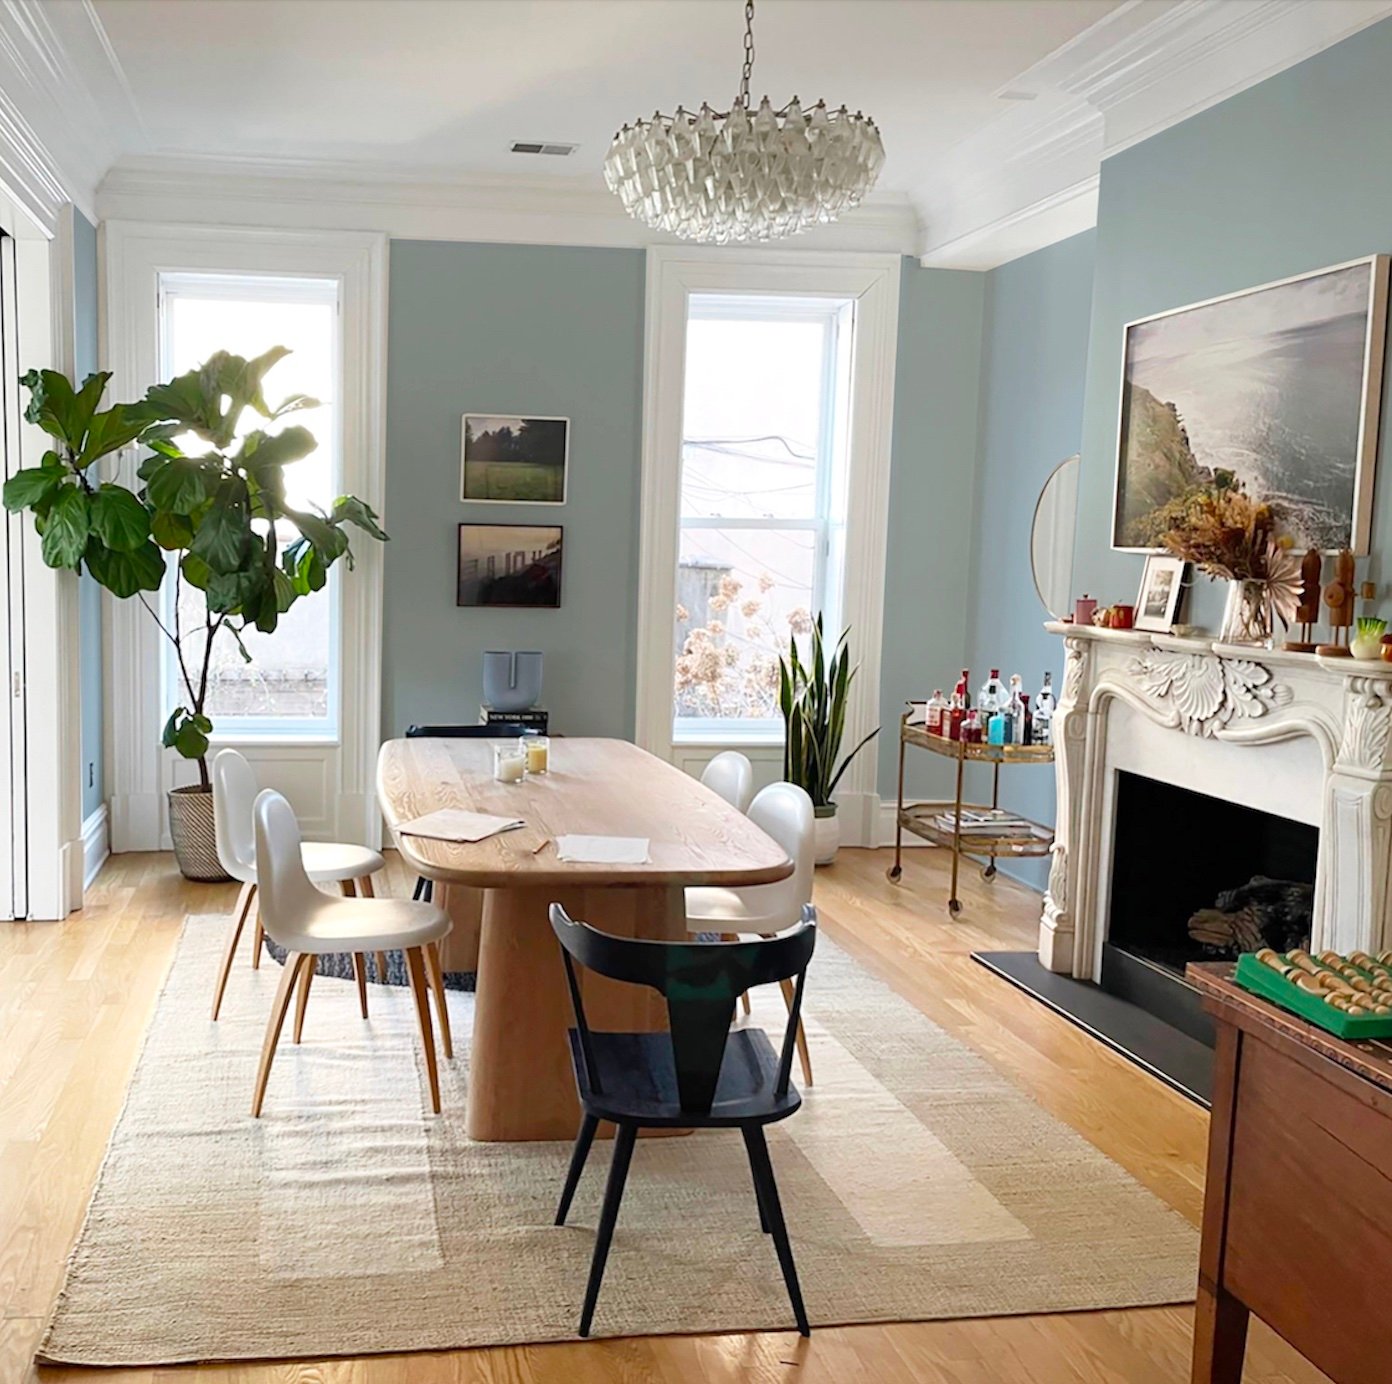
{"x":14,"y":840}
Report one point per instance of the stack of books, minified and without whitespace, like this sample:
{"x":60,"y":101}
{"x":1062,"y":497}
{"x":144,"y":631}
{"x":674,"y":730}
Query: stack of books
{"x":986,"y":822}
{"x":534,"y":718}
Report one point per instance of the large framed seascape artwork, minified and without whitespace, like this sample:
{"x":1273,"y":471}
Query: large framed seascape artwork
{"x":1276,"y":389}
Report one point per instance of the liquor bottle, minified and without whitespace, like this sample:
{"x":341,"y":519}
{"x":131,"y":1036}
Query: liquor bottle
{"x":971,"y":727}
{"x":1024,"y":728}
{"x":965,"y":684}
{"x":1042,"y":723}
{"x":1015,"y":709}
{"x":998,"y":728}
{"x":937,"y":705}
{"x":992,"y":696}
{"x":955,"y":713}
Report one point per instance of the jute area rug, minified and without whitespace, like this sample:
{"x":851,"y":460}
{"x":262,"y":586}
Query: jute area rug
{"x":916,"y":1181}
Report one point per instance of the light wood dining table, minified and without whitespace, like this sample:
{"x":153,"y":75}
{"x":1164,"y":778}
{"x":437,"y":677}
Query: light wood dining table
{"x":520,"y":1081}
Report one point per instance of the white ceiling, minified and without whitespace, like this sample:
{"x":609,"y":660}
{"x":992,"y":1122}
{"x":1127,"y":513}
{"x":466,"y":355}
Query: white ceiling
{"x":449,"y":84}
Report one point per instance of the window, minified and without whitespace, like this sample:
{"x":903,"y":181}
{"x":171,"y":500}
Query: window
{"x":291,"y":685}
{"x":762,"y":501}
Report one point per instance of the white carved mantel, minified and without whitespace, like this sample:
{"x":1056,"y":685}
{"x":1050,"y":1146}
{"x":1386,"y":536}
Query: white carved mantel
{"x":1298,"y":735}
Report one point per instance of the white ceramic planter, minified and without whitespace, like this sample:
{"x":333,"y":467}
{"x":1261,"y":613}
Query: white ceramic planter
{"x":828,"y":835}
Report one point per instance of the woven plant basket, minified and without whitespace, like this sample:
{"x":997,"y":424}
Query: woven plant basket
{"x":195,"y":841}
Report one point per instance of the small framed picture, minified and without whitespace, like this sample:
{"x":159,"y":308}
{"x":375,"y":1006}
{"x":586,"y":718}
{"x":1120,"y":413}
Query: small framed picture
{"x":509,"y":459}
{"x":1161,"y":585}
{"x":509,"y":565}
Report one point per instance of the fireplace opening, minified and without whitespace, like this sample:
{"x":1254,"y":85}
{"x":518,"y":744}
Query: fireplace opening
{"x":1195,"y":878}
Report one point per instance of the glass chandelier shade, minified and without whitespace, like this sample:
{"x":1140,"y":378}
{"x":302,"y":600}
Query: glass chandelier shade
{"x":718,"y":177}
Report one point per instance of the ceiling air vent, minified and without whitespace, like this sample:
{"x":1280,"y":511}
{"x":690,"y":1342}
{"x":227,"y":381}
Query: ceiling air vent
{"x":524,"y":146}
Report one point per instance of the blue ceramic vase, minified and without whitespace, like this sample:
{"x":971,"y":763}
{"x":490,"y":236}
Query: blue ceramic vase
{"x":511,"y":679}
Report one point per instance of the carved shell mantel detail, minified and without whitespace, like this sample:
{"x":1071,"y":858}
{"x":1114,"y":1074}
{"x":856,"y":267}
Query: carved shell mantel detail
{"x":1207,"y":692}
{"x":1367,"y":724}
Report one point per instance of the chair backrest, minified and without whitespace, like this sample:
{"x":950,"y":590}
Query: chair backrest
{"x":286,"y":894}
{"x":732,"y":776}
{"x":700,"y":981}
{"x":234,"y":795}
{"x":498,"y":731}
{"x":784,"y":812}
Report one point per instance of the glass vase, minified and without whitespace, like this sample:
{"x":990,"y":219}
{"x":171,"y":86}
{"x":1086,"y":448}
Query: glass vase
{"x":1249,"y":616}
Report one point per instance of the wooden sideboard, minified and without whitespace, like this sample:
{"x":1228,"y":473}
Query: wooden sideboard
{"x":1297,"y":1223}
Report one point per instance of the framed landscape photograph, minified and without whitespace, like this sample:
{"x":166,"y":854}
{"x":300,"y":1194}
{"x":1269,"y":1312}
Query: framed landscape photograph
{"x":514,"y":460}
{"x":509,"y":565}
{"x":1276,"y":388}
{"x":1161,"y":586}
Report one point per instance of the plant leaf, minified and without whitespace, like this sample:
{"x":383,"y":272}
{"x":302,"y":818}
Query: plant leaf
{"x":29,"y":487}
{"x":108,"y":432}
{"x":222,"y":538}
{"x":65,"y":527}
{"x":348,"y":509}
{"x":125,"y":573}
{"x":171,"y":531}
{"x":261,"y":451}
{"x":180,"y":484}
{"x":118,"y":518}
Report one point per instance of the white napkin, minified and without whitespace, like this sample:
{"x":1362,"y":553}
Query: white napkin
{"x":454,"y":824}
{"x":603,"y":850}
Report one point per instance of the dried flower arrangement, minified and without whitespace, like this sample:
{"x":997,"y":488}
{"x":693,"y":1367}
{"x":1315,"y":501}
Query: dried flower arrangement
{"x":1227,"y":534}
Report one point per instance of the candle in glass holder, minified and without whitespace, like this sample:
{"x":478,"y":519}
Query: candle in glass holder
{"x":537,"y":749}
{"x":509,"y":763}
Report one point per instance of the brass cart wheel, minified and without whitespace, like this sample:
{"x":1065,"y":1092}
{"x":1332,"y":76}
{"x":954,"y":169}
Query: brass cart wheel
{"x":988,"y":871}
{"x":893,"y":873}
{"x":954,"y":906}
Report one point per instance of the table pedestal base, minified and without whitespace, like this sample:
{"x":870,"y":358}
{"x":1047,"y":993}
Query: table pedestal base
{"x":521,"y":1084}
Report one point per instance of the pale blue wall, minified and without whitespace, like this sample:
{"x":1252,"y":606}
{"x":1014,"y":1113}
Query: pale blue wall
{"x":1288,"y":176}
{"x":927,"y":584}
{"x":513,"y":329}
{"x":88,"y":593}
{"x":1033,"y":371}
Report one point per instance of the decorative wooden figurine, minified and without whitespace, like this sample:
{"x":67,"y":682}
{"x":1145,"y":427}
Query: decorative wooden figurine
{"x":1307,"y":612}
{"x":1339,"y":596}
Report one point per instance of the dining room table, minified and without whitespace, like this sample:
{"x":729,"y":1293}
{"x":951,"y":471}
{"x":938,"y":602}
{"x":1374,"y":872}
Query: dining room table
{"x":500,"y":890}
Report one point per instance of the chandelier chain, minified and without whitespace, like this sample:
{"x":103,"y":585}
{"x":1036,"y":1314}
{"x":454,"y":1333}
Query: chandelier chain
{"x":748,"y":71}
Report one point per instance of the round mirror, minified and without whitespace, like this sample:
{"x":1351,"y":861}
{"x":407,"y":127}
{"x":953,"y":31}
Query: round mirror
{"x":1051,"y":538}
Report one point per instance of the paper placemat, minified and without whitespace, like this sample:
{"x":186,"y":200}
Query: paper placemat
{"x":454,"y":824}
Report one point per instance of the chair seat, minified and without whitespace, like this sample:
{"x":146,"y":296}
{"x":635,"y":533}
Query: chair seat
{"x":362,"y":925}
{"x":638,"y":1075}
{"x":730,"y":910}
{"x":325,"y":862}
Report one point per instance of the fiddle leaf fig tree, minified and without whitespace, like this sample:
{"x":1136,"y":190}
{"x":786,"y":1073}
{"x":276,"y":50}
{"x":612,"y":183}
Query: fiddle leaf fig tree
{"x":216,"y":513}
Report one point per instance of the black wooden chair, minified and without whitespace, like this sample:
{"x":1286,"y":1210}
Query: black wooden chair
{"x":425,"y":889}
{"x":700,"y":1075}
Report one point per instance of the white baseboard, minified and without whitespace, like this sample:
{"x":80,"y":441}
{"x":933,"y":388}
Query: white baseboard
{"x":96,"y":843}
{"x":889,"y":810}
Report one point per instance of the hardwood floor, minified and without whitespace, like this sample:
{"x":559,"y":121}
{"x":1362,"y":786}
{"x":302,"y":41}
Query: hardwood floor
{"x":75,"y":998}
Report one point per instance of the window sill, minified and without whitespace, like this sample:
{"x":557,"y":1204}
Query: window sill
{"x":707,"y":740}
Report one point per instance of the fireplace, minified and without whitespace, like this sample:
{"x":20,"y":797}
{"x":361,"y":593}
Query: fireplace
{"x":1198,"y":878}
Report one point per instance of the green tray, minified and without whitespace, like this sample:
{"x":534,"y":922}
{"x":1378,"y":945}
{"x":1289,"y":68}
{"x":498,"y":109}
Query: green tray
{"x":1261,"y":980}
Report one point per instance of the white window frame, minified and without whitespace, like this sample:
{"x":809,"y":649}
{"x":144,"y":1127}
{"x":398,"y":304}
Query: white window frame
{"x":330,"y":780}
{"x":251,"y":730}
{"x":871,"y":281}
{"x":827,"y":578}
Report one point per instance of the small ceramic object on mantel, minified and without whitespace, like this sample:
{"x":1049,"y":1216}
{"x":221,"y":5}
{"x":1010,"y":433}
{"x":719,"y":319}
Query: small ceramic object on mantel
{"x":1307,"y":612}
{"x":1338,"y":597}
{"x":1367,"y":639}
{"x":1115,"y":617}
{"x":1084,"y":608}
{"x":1387,"y":648}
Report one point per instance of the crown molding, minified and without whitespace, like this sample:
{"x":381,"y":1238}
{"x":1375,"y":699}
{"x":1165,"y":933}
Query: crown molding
{"x":1030,"y":177}
{"x":430,"y":204}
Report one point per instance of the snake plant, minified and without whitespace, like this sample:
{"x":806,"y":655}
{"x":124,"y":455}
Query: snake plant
{"x":812,"y":696}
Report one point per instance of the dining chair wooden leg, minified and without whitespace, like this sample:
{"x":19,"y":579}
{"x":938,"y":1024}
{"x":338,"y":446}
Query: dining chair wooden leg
{"x":415,"y":968}
{"x":435,"y":974}
{"x":804,"y":1058}
{"x":744,"y":1000}
{"x":302,"y":1000}
{"x":624,"y":1139}
{"x":239,"y":915}
{"x":274,"y":1023}
{"x":259,"y":939}
{"x":360,"y":975}
{"x":381,"y":958}
{"x":578,"y":1155}
{"x":348,"y":889}
{"x":365,"y":887}
{"x":762,"y":1168}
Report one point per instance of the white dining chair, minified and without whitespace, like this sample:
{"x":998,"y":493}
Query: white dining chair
{"x":731,"y":775}
{"x":308,"y":923}
{"x":784,"y":811}
{"x":326,"y":862}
